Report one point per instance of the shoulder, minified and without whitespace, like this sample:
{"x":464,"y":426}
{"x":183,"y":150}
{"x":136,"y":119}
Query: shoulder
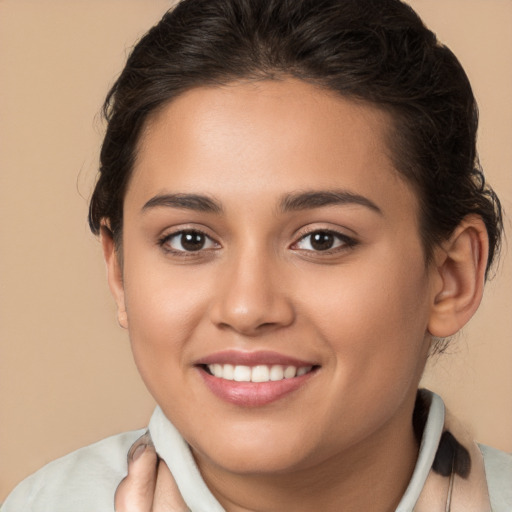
{"x":84,"y":480}
{"x":498,"y":471}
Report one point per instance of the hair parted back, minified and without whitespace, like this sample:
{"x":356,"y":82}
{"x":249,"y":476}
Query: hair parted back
{"x":376,"y":51}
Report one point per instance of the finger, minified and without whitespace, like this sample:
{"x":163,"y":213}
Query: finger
{"x":135,"y":492}
{"x":167,"y":495}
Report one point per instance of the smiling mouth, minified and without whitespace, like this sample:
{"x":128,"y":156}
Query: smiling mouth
{"x":254,"y":379}
{"x":257,"y":373}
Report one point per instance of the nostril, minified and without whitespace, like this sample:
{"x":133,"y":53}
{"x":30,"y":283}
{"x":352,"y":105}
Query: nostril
{"x":250,"y":307}
{"x":251,"y":329}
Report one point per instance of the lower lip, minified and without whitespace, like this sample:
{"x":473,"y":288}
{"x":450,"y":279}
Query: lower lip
{"x":252,"y":394}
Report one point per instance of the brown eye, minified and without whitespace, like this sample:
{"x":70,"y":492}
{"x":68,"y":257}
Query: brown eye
{"x":319,"y":241}
{"x":188,"y":241}
{"x":192,"y":241}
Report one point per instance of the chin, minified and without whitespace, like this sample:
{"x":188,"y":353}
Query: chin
{"x":254,"y":454}
{"x":253,"y":463}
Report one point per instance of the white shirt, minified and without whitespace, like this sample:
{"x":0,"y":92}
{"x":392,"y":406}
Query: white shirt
{"x":86,"y":480}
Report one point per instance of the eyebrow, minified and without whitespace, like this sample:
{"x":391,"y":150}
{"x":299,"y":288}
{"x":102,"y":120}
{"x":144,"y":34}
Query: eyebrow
{"x":196,"y":202}
{"x":289,"y":203}
{"x":316,"y":199}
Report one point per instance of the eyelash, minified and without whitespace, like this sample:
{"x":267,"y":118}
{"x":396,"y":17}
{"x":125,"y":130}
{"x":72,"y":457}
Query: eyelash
{"x":164,"y":242}
{"x":345,"y":242}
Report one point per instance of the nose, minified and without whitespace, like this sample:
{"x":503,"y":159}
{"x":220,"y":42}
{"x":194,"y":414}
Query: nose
{"x":252,"y":297}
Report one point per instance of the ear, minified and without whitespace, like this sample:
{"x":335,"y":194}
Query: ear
{"x":460,"y":266}
{"x":114,"y":273}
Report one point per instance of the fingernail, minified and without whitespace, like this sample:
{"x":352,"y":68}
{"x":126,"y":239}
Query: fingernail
{"x":139,"y":451}
{"x":140,"y":446}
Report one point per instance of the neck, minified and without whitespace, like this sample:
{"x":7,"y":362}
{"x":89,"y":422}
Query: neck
{"x":372,"y":475}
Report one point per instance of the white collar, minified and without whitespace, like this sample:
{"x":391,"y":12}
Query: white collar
{"x":173,"y":449}
{"x":428,"y":448}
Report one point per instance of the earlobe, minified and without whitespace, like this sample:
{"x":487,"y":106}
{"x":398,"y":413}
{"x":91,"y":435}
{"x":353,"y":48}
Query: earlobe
{"x":114,"y":274}
{"x":460,"y":266}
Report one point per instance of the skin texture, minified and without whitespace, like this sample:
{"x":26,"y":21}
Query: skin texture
{"x":360,"y":312}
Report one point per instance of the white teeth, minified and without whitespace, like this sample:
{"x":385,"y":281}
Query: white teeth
{"x":276,"y":372}
{"x":216,"y":369}
{"x":228,"y":372}
{"x":290,"y":372}
{"x":259,"y":373}
{"x":242,"y":374}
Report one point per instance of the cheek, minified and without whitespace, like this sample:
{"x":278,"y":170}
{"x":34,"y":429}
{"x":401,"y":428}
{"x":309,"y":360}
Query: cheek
{"x":373,"y":318}
{"x":164,"y":310}
{"x":374,"y":328}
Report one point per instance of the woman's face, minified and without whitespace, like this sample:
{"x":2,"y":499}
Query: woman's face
{"x":268,"y":236}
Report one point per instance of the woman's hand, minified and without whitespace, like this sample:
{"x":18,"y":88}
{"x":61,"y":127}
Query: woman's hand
{"x":149,"y":485}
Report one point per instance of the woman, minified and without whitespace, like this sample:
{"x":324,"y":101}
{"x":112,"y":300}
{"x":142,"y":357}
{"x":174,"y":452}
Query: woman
{"x":292,"y":215}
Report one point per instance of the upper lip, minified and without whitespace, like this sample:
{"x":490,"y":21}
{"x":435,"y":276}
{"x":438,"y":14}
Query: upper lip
{"x":238,"y":357}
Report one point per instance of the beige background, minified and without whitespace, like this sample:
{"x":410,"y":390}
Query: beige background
{"x":66,"y":375}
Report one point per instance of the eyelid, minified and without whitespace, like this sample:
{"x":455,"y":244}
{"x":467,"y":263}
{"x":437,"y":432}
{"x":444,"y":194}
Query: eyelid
{"x":164,"y":239}
{"x":348,"y":241}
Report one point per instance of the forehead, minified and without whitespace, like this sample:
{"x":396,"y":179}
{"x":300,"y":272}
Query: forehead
{"x":271,"y":136}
